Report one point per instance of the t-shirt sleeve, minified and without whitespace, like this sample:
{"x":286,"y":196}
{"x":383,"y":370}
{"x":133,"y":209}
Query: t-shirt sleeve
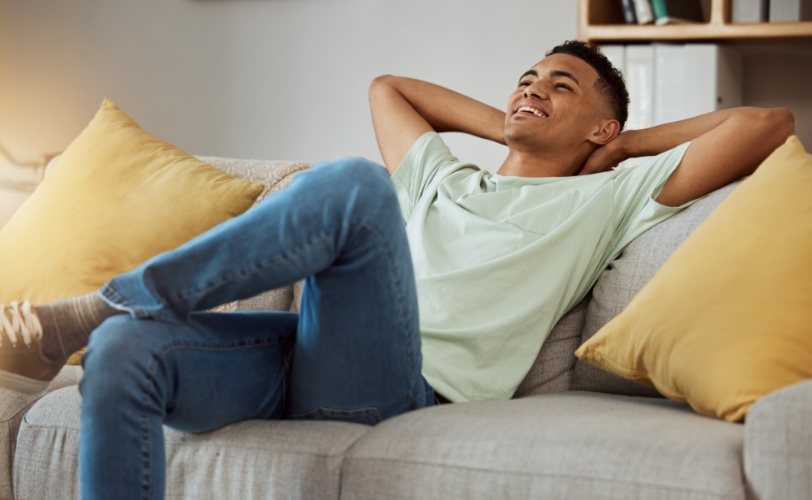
{"x":428,"y":161}
{"x":635,"y":189}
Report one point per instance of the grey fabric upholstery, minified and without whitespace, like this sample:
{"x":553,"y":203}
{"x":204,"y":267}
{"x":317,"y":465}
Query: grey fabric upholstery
{"x":552,"y":370}
{"x":778,"y":445}
{"x":254,"y":459}
{"x":558,"y":446}
{"x":626,"y":276}
{"x":273,"y":300}
{"x":13,"y":407}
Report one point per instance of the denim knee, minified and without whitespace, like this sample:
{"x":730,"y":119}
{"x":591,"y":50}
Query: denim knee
{"x":362,"y":184}
{"x":116,"y":359}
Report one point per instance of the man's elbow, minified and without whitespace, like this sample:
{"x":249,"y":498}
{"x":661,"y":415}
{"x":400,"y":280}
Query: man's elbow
{"x":785,"y":120}
{"x":381,"y":81}
{"x":780,"y":122}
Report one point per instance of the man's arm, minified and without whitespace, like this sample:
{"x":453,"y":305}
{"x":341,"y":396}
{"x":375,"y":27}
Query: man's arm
{"x":727,"y":145}
{"x":403,"y":109}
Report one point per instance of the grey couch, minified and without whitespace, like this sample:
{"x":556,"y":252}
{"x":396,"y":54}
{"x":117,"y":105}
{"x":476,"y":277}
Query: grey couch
{"x":571,"y":431}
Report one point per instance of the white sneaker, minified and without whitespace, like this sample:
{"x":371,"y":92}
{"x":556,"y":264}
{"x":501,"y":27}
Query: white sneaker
{"x":23,"y":366}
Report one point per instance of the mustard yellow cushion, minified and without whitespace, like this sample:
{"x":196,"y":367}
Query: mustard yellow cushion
{"x":117,"y":197}
{"x":728,"y":318}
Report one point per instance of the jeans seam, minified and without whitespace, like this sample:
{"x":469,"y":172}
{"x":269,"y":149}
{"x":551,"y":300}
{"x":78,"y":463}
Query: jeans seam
{"x":157,"y":359}
{"x":397,"y":285}
{"x":145,"y":423}
{"x":274,"y":261}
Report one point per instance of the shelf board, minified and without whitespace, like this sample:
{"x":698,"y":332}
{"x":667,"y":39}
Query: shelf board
{"x":785,"y":32}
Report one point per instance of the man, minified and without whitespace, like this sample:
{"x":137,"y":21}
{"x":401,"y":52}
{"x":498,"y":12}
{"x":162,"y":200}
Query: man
{"x":495,"y":261}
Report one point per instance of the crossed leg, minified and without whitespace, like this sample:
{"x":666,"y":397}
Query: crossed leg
{"x":353,"y":353}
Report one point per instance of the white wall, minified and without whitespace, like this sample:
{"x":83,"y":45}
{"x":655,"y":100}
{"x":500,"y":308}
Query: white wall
{"x":270,"y":79}
{"x":286,"y":79}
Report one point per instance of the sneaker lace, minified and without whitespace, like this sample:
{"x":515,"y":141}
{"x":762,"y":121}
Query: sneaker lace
{"x":19,"y":319}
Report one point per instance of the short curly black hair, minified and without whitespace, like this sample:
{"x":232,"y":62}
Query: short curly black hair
{"x":610,"y":84}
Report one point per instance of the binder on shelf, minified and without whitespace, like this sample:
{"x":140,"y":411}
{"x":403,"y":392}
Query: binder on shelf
{"x":616,"y":55}
{"x":628,"y":11}
{"x":749,"y":11}
{"x":671,"y":82}
{"x":640,"y":84}
{"x":790,"y":10}
{"x":639,"y":77}
{"x":677,"y":11}
{"x":693,"y":79}
{"x":714,"y":78}
{"x":642,"y":10}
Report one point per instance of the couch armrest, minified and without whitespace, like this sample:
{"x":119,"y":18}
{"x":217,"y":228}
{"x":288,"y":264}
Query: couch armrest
{"x":778,"y":445}
{"x":13,"y":407}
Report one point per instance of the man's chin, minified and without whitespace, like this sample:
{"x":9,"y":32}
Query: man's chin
{"x":523,"y":140}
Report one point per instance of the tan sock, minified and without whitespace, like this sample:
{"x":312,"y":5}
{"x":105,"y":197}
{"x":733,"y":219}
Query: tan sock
{"x":67,"y":324}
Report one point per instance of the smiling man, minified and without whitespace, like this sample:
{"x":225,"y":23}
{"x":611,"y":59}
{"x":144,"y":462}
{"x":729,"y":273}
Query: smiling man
{"x":491,"y":262}
{"x":500,"y":258}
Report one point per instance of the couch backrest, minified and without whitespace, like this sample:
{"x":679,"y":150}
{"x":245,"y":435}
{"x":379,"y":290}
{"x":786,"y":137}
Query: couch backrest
{"x":626,"y":276}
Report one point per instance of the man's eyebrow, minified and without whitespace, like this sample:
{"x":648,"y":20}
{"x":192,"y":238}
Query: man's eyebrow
{"x":530,"y":72}
{"x":558,"y":72}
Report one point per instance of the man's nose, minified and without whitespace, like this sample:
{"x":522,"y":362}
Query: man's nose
{"x":537,"y":89}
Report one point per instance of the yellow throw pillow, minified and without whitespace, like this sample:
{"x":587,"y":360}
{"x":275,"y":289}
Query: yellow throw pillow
{"x":117,"y":197}
{"x":728,"y":318}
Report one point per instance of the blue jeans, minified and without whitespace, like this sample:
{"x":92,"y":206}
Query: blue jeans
{"x":352,"y":354}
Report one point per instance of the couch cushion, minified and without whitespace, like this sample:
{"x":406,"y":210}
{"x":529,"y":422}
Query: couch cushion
{"x":557,"y":446}
{"x":626,"y":276}
{"x":253,"y":459}
{"x":778,"y":444}
{"x":13,"y":406}
{"x":552,"y":370}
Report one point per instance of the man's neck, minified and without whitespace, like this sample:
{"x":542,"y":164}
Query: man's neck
{"x":535,"y":164}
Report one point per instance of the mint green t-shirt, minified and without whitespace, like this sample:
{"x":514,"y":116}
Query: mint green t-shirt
{"x":499,"y":260}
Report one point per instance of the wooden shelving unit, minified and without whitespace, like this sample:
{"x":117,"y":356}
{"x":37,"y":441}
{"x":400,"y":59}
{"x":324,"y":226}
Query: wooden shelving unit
{"x":601,"y":21}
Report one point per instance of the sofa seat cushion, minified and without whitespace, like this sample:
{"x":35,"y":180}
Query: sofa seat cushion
{"x":13,"y":407}
{"x":575,"y":445}
{"x":253,"y":459}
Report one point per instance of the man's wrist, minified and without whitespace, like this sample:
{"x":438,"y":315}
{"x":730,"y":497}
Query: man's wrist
{"x":623,"y":147}
{"x":628,"y":145}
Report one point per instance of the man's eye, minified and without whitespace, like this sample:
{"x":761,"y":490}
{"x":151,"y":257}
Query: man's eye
{"x":524,"y":83}
{"x":563,"y":85}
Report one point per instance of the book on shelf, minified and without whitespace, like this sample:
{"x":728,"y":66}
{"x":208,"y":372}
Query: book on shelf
{"x":628,"y":11}
{"x":643,"y":12}
{"x":749,"y":11}
{"x":677,"y":11}
{"x":790,"y":10}
{"x":671,"y":82}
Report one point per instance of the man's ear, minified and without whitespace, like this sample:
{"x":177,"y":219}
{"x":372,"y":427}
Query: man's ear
{"x":605,"y":133}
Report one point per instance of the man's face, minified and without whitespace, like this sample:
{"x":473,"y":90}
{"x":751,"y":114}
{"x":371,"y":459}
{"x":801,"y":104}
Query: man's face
{"x":555,"y":105}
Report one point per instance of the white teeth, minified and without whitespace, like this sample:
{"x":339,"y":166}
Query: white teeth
{"x":533,"y":110}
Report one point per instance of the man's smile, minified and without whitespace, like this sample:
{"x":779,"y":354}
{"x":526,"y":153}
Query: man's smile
{"x":529,"y":108}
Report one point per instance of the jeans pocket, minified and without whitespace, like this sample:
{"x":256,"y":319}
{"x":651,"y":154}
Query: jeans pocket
{"x":366,"y":416}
